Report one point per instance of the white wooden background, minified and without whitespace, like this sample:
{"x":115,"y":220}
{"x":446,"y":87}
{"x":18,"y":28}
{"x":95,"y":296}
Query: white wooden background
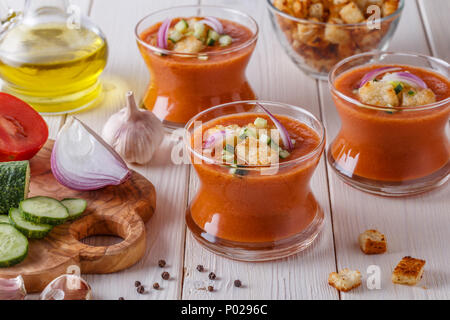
{"x":418,"y":226}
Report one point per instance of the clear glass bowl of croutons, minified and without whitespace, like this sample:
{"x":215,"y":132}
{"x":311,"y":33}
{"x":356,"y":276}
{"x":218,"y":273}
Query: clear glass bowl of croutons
{"x":317,"y":34}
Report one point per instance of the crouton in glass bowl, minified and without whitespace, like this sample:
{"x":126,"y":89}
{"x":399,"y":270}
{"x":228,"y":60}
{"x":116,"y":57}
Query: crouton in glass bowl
{"x":317,"y":34}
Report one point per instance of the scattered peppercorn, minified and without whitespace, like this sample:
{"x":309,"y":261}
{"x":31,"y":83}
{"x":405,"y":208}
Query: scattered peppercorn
{"x":165,"y":275}
{"x":141,"y":289}
{"x":156,"y":285}
{"x":162,"y":263}
{"x":210,"y":288}
{"x":200,"y":268}
{"x":237,"y":283}
{"x":121,"y":298}
{"x":212,"y":276}
{"x":137,"y":283}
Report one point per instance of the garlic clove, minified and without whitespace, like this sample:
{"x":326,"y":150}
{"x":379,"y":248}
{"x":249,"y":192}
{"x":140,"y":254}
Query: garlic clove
{"x":12,"y":289}
{"x":134,"y":134}
{"x":67,"y":287}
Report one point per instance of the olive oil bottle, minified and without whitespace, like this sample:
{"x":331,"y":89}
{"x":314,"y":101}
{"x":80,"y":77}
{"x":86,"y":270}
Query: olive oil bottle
{"x":52,"y":65}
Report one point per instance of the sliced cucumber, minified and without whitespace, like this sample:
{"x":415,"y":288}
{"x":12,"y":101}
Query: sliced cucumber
{"x":76,"y":207}
{"x":260,"y":123}
{"x":181,"y":26}
{"x":13,"y":246}
{"x":225,"y":40}
{"x":29,"y":229}
{"x":264,"y":138}
{"x":44,"y":210}
{"x":213,"y":36}
{"x":175,"y":36}
{"x":4,"y":219}
{"x":14,"y":182}
{"x":284,"y":154}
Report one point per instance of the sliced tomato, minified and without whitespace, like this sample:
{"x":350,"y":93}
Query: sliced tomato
{"x":23,"y":132}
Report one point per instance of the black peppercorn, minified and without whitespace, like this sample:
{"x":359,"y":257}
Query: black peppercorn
{"x":200,"y":268}
{"x":141,"y":289}
{"x":237,"y":283}
{"x":212,"y":276}
{"x":210,"y":288}
{"x":165,"y":275}
{"x":161,"y":263}
{"x":156,"y":285}
{"x":137,"y":283}
{"x":121,"y":298}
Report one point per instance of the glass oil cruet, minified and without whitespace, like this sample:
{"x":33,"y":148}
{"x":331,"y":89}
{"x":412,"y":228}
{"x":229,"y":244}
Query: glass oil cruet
{"x":51,"y":56}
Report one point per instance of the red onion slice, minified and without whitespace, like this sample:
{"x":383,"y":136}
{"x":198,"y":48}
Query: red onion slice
{"x":214,"y":138}
{"x":211,"y":24}
{"x":163,"y":33}
{"x":284,"y":134}
{"x":217,"y":23}
{"x":82,"y":161}
{"x":375,"y":73}
{"x":406,"y":77}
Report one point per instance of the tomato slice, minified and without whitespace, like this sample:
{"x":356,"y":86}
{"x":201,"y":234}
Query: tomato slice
{"x":23,"y":132}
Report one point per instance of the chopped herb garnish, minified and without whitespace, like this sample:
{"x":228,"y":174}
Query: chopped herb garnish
{"x":398,"y":88}
{"x":411,"y":93}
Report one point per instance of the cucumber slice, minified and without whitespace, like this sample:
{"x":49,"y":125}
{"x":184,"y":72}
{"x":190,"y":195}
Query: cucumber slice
{"x":212,"y":37}
{"x":225,"y":40}
{"x":14,"y":182}
{"x":76,"y":207}
{"x":44,"y":210}
{"x":13,"y":246}
{"x":181,"y":26}
{"x":29,"y":229}
{"x":264,"y":138}
{"x":260,"y":123}
{"x":284,"y":154}
{"x":4,"y":219}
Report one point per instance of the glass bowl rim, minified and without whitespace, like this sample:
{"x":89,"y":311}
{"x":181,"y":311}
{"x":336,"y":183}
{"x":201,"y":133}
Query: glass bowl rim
{"x":196,"y":55}
{"x":310,"y":154}
{"x":306,"y":21}
{"x":333,"y":89}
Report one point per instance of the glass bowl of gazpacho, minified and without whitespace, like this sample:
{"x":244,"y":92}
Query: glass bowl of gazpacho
{"x":254,"y":161}
{"x":394,"y":110}
{"x":197,"y":56}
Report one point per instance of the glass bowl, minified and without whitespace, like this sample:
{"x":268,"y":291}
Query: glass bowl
{"x":315,"y":47}
{"x":184,"y":84}
{"x":261,"y":213}
{"x":391,"y":151}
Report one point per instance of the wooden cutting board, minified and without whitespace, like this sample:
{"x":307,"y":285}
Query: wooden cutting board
{"x":115,"y":210}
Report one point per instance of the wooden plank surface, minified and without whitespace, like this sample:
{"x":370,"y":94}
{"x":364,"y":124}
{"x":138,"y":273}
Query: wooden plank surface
{"x":416,"y":226}
{"x":274,"y":77}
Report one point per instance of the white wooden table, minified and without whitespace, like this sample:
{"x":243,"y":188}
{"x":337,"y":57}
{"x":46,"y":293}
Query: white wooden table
{"x":418,"y":226}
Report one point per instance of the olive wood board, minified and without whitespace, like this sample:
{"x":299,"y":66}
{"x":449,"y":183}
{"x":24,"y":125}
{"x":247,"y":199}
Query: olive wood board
{"x":115,"y":210}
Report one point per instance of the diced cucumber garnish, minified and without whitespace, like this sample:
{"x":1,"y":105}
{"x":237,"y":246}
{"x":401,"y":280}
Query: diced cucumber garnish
{"x":236,"y":171}
{"x":199,"y":31}
{"x":29,"y":229}
{"x":175,"y":36}
{"x":4,"y":219}
{"x":76,"y":207}
{"x":260,"y":123}
{"x":44,"y":210}
{"x":181,"y":26}
{"x":225,"y":40}
{"x":13,"y":246}
{"x":284,"y":154}
{"x":213,"y":36}
{"x":264,"y":138}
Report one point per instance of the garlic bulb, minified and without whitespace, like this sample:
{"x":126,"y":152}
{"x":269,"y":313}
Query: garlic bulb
{"x":12,"y":289}
{"x":67,"y":287}
{"x":135,"y":134}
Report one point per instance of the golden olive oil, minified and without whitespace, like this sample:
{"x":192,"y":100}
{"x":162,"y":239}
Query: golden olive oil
{"x":52,"y":67}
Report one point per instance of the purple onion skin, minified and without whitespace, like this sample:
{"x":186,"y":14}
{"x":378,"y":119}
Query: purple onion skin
{"x":284,"y":134}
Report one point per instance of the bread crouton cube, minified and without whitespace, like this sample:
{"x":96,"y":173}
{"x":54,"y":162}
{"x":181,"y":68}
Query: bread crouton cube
{"x":336,"y":34}
{"x":345,"y":280}
{"x":378,"y":93}
{"x":307,"y":32}
{"x":316,"y":10}
{"x":350,"y":13}
{"x":372,"y":242}
{"x":408,"y":271}
{"x":189,"y":45}
{"x":389,"y":7}
{"x":340,"y":2}
{"x":412,"y":98}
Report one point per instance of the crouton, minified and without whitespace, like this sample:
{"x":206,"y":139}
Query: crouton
{"x":336,"y":34}
{"x":340,"y":2}
{"x":345,"y":280}
{"x":389,"y":7}
{"x":316,"y":11}
{"x":412,"y":97}
{"x":372,"y":242}
{"x":350,"y":13}
{"x":378,"y":93}
{"x":408,"y":271}
{"x":189,"y":45}
{"x":307,"y":32}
